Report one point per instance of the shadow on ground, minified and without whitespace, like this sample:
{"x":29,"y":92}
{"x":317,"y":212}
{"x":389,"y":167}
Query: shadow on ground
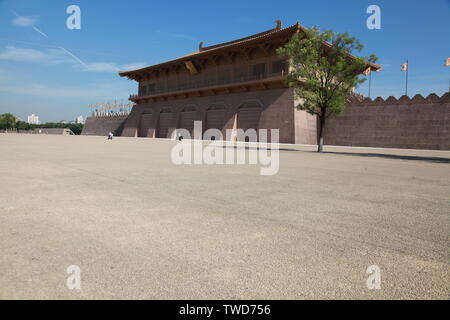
{"x":392,"y":156}
{"x":256,"y":148}
{"x":356,"y":154}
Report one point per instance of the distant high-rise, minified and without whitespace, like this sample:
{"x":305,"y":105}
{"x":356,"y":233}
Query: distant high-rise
{"x":33,"y":119}
{"x":79,"y":120}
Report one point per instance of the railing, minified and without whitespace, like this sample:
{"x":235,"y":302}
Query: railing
{"x":210,"y":83}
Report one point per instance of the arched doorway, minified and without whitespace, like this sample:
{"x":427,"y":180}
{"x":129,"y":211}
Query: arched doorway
{"x":166,"y":120}
{"x":187,"y":119}
{"x":215,"y":116}
{"x":248,"y":117}
{"x":146,"y":123}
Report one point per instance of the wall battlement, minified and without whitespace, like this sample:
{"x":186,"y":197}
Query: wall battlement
{"x":358,"y":100}
{"x":413,"y":123}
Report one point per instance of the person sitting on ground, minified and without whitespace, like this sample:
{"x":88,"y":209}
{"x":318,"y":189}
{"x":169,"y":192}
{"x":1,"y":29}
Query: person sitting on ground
{"x":110,"y":136}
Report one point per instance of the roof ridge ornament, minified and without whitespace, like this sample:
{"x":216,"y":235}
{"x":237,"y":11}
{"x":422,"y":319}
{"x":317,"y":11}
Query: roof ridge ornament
{"x":279,"y":24}
{"x":200,"y":46}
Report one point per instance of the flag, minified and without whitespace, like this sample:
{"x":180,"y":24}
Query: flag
{"x":405,"y":66}
{"x":447,"y":62}
{"x":367,"y":71}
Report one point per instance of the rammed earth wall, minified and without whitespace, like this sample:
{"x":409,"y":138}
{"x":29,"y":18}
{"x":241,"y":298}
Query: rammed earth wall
{"x":101,"y":126}
{"x":277,"y":112}
{"x":417,"y":123}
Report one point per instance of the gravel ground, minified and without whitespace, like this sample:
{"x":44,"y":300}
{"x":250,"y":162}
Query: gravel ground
{"x":139,"y":226}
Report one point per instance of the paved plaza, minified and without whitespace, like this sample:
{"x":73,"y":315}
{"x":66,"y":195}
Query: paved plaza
{"x":139,"y":226}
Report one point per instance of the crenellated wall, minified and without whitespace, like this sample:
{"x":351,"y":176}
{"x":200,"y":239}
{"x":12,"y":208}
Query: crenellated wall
{"x":417,"y":123}
{"x":101,"y":126}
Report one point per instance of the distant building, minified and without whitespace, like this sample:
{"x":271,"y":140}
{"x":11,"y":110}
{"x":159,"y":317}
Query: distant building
{"x":33,"y":119}
{"x":79,"y":120}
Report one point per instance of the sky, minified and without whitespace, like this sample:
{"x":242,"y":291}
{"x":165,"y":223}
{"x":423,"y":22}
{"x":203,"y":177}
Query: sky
{"x":56,"y":73}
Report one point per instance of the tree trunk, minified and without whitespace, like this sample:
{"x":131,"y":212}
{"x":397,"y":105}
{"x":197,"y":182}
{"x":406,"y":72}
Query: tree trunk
{"x":320,"y":138}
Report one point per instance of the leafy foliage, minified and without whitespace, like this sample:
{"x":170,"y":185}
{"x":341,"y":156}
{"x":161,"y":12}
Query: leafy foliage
{"x":75,"y":127}
{"x":7,"y":123}
{"x":323,"y":71}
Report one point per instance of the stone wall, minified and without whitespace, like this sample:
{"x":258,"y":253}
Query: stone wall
{"x":417,"y":123}
{"x":101,"y":126}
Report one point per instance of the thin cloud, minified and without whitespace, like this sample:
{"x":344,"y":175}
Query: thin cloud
{"x":60,"y":55}
{"x":73,"y":56}
{"x":91,"y":90}
{"x":27,"y":21}
{"x":133,"y":66}
{"x":112,"y":67}
{"x":24,"y":21}
{"x":102,"y":67}
{"x":36,"y":55}
{"x":34,"y":89}
{"x":71,"y":50}
{"x":39,"y":31}
{"x":49,"y":56}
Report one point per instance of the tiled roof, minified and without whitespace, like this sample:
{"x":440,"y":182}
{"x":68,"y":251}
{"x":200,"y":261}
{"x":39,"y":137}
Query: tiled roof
{"x":207,"y":50}
{"x":272,"y":33}
{"x":261,"y":35}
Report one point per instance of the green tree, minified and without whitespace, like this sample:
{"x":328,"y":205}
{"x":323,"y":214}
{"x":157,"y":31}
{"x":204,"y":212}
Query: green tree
{"x":7,"y":121}
{"x":22,"y":125}
{"x":76,"y":128}
{"x":323,"y":71}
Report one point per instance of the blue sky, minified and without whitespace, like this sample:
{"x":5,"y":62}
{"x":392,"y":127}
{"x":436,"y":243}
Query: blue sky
{"x":40,"y":72}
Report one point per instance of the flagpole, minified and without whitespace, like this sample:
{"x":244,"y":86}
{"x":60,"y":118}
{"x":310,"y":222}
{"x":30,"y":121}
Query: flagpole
{"x":407,"y":70}
{"x":447,"y":64}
